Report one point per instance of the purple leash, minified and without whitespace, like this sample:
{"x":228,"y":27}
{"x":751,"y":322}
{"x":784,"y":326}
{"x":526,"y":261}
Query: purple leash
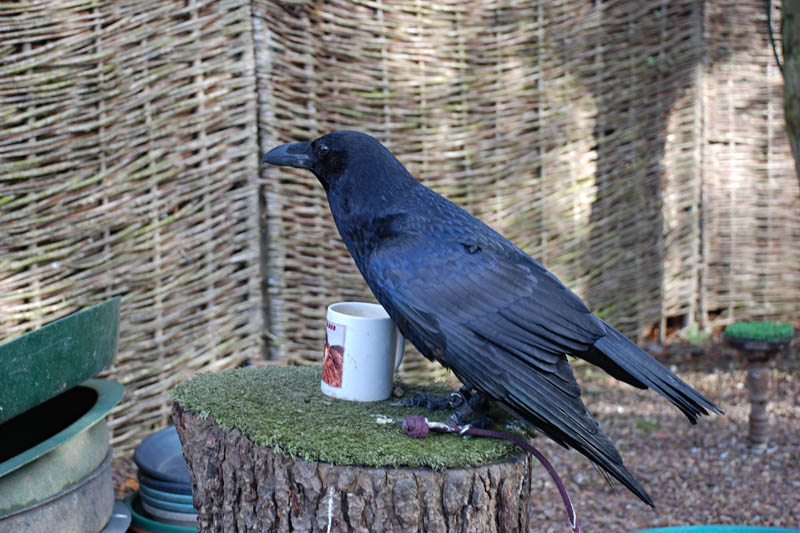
{"x":419,"y":426}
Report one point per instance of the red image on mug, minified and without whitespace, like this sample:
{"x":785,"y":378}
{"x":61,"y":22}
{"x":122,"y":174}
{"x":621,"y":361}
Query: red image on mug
{"x":333,"y":360}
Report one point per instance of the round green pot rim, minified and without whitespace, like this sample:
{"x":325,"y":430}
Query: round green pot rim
{"x":108,"y":395}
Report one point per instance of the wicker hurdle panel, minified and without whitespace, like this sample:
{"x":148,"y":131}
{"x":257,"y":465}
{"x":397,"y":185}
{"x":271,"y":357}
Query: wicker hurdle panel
{"x":128,"y":165}
{"x":751,"y":198}
{"x":585,"y":133}
{"x":636,"y":149}
{"x":552,"y":121}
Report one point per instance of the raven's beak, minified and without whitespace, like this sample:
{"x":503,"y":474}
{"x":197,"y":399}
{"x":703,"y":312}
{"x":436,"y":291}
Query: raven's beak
{"x":297,"y":155}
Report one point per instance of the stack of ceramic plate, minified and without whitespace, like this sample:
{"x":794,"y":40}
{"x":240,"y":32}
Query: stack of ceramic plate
{"x":164,"y":499}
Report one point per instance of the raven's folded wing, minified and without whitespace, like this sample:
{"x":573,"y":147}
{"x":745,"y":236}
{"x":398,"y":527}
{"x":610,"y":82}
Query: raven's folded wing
{"x":503,"y":324}
{"x":489,"y":287}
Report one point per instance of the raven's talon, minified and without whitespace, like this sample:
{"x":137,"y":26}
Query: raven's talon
{"x":408,"y":402}
{"x":432,"y":403}
{"x":455,"y":400}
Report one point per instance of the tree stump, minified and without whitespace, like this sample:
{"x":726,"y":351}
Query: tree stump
{"x":239,"y":485}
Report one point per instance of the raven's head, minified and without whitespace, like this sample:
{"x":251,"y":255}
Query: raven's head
{"x":343,"y":160}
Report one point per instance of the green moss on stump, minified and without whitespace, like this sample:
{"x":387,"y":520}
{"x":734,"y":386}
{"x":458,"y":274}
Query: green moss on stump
{"x":760,"y":331}
{"x":283,"y":408}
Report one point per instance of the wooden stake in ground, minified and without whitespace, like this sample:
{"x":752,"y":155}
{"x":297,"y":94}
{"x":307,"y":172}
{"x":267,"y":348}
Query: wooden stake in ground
{"x":759,"y":343}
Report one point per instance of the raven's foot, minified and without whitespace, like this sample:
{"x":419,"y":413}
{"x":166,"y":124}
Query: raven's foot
{"x":471,"y":412}
{"x":434,"y":403}
{"x":470,"y":406}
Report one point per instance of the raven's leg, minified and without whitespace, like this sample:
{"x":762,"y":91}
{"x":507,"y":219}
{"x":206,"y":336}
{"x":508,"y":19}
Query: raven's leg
{"x":472,"y":411}
{"x":466,"y":402}
{"x":435,"y":403}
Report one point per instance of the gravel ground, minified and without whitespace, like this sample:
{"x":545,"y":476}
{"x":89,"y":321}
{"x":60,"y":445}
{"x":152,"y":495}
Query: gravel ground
{"x":703,"y":474}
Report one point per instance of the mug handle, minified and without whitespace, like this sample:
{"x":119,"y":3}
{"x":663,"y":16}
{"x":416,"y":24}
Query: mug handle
{"x":398,"y":351}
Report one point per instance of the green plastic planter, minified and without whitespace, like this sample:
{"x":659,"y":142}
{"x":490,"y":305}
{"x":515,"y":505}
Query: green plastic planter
{"x":49,"y":458}
{"x":83,"y":506}
{"x":44,"y":363}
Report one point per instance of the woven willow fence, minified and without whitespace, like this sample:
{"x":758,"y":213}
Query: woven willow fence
{"x":635,"y":148}
{"x":128,"y":161}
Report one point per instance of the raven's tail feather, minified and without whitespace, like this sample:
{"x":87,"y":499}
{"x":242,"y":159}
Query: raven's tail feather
{"x":638,"y":368}
{"x":596,"y":446}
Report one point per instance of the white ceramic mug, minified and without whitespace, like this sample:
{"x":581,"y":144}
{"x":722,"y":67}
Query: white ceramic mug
{"x":363,"y":349}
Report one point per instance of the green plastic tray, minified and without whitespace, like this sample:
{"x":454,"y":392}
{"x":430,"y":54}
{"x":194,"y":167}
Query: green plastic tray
{"x":44,"y":363}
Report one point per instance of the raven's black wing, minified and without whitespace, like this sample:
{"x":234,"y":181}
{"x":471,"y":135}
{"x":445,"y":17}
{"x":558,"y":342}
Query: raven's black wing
{"x":502,"y":323}
{"x":484,"y":283}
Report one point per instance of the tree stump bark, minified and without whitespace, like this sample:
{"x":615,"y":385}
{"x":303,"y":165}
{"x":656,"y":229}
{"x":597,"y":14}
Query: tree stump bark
{"x":240,"y":486}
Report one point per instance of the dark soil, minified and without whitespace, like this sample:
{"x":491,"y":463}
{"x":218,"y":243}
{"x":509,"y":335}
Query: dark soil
{"x":703,"y":474}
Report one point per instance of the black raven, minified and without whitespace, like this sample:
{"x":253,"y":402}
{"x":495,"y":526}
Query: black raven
{"x":469,"y":299}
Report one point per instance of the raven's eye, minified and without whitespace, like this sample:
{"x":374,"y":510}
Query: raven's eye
{"x":322,"y":150}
